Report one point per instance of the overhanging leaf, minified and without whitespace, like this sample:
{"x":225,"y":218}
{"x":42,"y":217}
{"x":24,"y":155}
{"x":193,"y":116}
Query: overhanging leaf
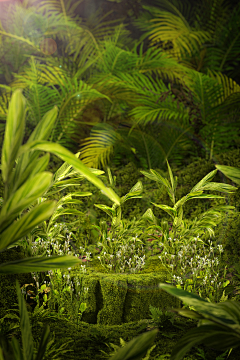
{"x":67,"y":156}
{"x":39,"y":263}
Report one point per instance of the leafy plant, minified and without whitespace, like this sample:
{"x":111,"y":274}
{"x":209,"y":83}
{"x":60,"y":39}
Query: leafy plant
{"x":160,"y":317}
{"x":24,"y":182}
{"x":42,"y":349}
{"x":218,"y":325}
{"x":115,"y":211}
{"x":176,"y":213}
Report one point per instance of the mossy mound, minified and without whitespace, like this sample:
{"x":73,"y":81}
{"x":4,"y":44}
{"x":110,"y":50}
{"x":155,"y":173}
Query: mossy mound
{"x":116,"y":298}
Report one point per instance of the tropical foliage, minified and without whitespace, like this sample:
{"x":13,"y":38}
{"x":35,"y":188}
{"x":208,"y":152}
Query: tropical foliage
{"x":153,"y":103}
{"x":122,"y":86}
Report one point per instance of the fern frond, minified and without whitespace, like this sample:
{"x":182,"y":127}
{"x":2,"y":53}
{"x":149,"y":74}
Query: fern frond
{"x":98,"y":148}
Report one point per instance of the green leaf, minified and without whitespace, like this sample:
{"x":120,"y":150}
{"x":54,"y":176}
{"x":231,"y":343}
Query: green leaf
{"x":39,"y":263}
{"x":154,"y":175}
{"x":231,"y":172}
{"x":82,"y":193}
{"x":188,"y":313}
{"x":200,"y":184}
{"x":33,"y":168}
{"x":28,"y":222}
{"x":110,"y":176}
{"x":16,"y":349}
{"x":149,"y":215}
{"x":134,"y":193}
{"x":178,"y":219}
{"x":205,"y":196}
{"x":219,"y":187}
{"x":27,"y":340}
{"x":189,"y":196}
{"x":14,"y":133}
{"x":137,"y":348}
{"x":136,"y":188}
{"x":211,"y":335}
{"x":67,"y":156}
{"x":27,"y":194}
{"x":40,"y":133}
{"x":111,"y":212}
{"x":171,"y":176}
{"x":61,"y":212}
{"x":172,"y":212}
{"x":211,"y":311}
{"x":44,"y":128}
{"x":43,"y":343}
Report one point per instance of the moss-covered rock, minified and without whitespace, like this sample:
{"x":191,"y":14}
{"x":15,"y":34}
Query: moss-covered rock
{"x":114,"y":299}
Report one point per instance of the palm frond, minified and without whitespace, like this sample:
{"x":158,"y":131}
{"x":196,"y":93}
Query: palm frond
{"x":230,"y":86}
{"x":72,"y":98}
{"x":156,"y":102}
{"x":98,"y":148}
{"x":118,"y":65}
{"x":166,"y":26}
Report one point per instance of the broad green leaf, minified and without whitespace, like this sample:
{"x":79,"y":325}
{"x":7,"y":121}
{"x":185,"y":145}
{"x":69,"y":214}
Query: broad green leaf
{"x":27,"y":222}
{"x":22,"y":172}
{"x":44,"y":128}
{"x":160,"y":179}
{"x":188,"y":313}
{"x":39,"y":263}
{"x":27,"y":339}
{"x":154,"y":175}
{"x":68,"y":182}
{"x":172,"y":212}
{"x":33,"y":168}
{"x":130,"y":196}
{"x":232,"y":173}
{"x":207,"y":178}
{"x":171,"y":177}
{"x":210,"y":311}
{"x":41,"y":165}
{"x":211,"y":335}
{"x":219,"y":187}
{"x":63,"y":171}
{"x":111,"y":212}
{"x":40,"y":133}
{"x":117,"y":219}
{"x":178,"y":219}
{"x":205,"y":196}
{"x":110,"y":176}
{"x":16,"y":349}
{"x":14,"y":133}
{"x":136,"y":188}
{"x":137,"y":348}
{"x":27,"y":194}
{"x":134,"y":193}
{"x":67,"y":156}
{"x":233,"y":309}
{"x":81,"y":193}
{"x":61,"y":212}
{"x":149,"y":215}
{"x":43,"y":343}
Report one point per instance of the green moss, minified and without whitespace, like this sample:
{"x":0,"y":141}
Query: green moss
{"x":90,"y":339}
{"x":117,"y":298}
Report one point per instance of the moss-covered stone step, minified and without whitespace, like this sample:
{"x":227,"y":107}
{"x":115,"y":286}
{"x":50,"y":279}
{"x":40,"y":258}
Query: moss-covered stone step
{"x":115,"y":299}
